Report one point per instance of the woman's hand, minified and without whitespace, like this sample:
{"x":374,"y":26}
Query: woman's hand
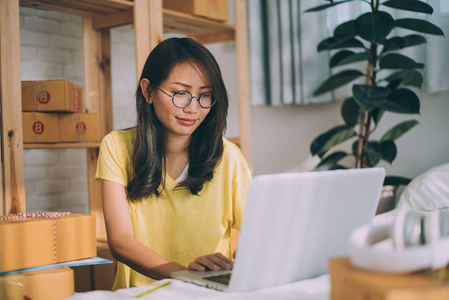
{"x":214,"y":262}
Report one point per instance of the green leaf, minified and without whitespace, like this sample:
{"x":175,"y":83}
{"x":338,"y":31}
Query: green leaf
{"x":339,"y":56}
{"x":354,"y":147}
{"x":394,"y":84}
{"x":374,"y":26}
{"x":332,"y":159}
{"x":410,"y":5}
{"x":397,"y":42}
{"x":348,"y":58}
{"x":332,"y":43}
{"x":346,"y":29}
{"x":330,"y":138}
{"x":377,"y":114}
{"x":398,"y":130}
{"x":369,"y":97}
{"x":350,"y":112}
{"x":393,"y":43}
{"x":419,"y":26}
{"x":396,"y":180}
{"x":324,"y":6}
{"x":414,"y":40}
{"x":384,"y":150}
{"x":407,"y":77}
{"x":398,"y":61}
{"x":337,"y":80}
{"x":402,"y":101}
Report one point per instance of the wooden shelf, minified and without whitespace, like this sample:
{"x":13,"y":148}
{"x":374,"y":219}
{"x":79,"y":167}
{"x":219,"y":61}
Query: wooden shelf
{"x":201,"y":29}
{"x":62,"y":145}
{"x":80,"y":7}
{"x":114,"y":13}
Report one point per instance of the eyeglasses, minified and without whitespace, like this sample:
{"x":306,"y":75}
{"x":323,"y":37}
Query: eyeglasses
{"x":182,"y":99}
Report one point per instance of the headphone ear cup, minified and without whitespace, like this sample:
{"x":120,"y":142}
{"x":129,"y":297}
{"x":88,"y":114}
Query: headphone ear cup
{"x":398,"y":257}
{"x":431,"y":227}
{"x":397,"y":229}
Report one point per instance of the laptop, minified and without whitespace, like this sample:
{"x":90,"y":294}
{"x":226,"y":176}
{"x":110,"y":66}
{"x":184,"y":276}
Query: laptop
{"x":293,"y":223}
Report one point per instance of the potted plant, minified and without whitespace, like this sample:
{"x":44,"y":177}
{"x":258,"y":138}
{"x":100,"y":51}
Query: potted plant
{"x":386,"y":84}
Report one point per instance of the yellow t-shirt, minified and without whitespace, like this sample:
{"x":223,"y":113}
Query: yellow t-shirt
{"x":178,"y":225}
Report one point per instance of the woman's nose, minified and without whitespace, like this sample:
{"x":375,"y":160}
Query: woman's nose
{"x":193,"y":106}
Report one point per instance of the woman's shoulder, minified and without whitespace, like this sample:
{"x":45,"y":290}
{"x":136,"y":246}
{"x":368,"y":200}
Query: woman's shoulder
{"x":125,"y":136}
{"x":231,"y":151}
{"x":229,"y":145}
{"x":119,"y":140}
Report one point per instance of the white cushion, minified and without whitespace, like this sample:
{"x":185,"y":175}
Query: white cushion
{"x":428,"y":191}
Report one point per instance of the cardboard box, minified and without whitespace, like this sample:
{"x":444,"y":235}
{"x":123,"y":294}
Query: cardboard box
{"x":212,"y":9}
{"x":40,"y":127}
{"x":348,"y":282}
{"x":60,"y":127}
{"x":78,"y":128}
{"x":52,"y":284}
{"x":28,"y":242}
{"x":52,"y":95}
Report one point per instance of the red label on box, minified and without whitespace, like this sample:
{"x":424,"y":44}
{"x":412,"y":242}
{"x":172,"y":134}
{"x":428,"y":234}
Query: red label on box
{"x":44,"y":97}
{"x":38,"y":127}
{"x":80,"y":127}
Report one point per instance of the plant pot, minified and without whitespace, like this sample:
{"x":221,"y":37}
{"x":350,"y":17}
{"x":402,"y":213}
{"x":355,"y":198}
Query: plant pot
{"x":387,"y":199}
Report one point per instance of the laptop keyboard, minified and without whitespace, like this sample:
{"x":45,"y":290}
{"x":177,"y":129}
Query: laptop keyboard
{"x":224,"y":279}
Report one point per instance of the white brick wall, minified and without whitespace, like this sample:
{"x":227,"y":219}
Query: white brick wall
{"x":51,"y":48}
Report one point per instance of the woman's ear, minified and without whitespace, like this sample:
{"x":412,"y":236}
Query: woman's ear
{"x":144,"y":85}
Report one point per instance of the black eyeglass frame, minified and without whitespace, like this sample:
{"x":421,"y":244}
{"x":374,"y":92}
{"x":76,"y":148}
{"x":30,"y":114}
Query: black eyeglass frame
{"x":213,"y":101}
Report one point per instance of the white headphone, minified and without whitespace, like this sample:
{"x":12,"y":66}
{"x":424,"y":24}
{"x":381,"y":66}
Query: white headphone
{"x":413,"y":241}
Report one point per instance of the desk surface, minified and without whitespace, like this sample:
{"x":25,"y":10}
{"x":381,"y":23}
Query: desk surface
{"x":310,"y":289}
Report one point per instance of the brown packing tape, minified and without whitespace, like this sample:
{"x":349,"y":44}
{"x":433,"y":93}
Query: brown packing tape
{"x":40,"y":93}
{"x":26,"y":243}
{"x":52,"y":284}
{"x":77,"y":105}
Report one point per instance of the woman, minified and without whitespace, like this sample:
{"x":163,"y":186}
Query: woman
{"x":173,"y":187}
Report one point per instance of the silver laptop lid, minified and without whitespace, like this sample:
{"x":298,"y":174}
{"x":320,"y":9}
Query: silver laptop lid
{"x":294,"y":222}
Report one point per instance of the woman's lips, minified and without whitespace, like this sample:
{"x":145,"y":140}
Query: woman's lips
{"x":187,"y":121}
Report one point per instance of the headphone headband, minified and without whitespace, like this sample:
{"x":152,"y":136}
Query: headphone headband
{"x":382,"y":248}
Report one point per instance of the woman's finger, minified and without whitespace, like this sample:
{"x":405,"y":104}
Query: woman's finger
{"x":220,"y":260}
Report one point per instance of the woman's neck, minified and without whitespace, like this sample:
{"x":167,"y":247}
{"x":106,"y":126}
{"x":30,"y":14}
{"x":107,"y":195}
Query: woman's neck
{"x":175,"y":146}
{"x":176,"y":155}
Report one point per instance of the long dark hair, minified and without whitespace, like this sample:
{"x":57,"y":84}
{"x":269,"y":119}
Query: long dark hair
{"x":206,"y":143}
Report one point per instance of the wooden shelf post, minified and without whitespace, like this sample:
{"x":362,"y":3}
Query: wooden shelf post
{"x":98,"y":87}
{"x":148,"y":29}
{"x":11,"y":110}
{"x":243,"y":83}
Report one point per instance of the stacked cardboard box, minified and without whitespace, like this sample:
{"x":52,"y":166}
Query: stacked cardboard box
{"x":51,"y":284}
{"x":32,"y":242}
{"x":211,"y":9}
{"x":53,"y":112}
{"x":39,"y":239}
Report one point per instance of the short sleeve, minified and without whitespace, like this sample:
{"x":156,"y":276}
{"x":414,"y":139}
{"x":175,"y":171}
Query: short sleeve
{"x":112,"y":160}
